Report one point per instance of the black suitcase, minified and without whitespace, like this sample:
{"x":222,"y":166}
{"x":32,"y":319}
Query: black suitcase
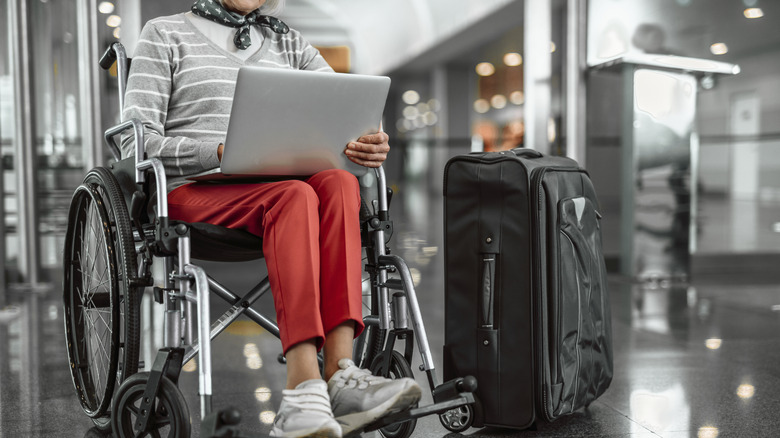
{"x":526,"y":304}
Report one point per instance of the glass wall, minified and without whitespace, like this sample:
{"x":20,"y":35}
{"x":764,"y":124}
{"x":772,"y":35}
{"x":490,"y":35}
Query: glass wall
{"x":737,"y":152}
{"x":6,"y":134}
{"x":46,"y":128}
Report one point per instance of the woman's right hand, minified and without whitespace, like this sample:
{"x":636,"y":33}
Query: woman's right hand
{"x":219,"y":151}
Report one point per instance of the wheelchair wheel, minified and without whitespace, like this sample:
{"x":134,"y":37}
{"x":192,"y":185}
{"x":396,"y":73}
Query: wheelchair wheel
{"x":398,"y":368}
{"x":100,"y":304}
{"x":171,"y":417}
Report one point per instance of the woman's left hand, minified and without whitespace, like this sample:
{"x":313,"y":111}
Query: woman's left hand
{"x":369,"y":150}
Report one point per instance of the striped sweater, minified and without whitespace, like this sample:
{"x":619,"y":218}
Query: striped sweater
{"x":181,"y":87}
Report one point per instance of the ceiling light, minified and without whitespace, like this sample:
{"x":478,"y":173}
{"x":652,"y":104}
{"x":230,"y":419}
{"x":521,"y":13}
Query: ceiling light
{"x":430,"y":118}
{"x":517,"y":97}
{"x":106,"y":7}
{"x":485,"y":69}
{"x":754,"y":13}
{"x":117,"y":32}
{"x":481,"y":106}
{"x":513,"y":59}
{"x":410,"y":97}
{"x":113,"y":20}
{"x":719,"y":49}
{"x":411,"y":112}
{"x":498,"y":101}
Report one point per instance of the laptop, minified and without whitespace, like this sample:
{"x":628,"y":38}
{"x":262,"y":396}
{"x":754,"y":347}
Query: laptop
{"x":297,"y":123}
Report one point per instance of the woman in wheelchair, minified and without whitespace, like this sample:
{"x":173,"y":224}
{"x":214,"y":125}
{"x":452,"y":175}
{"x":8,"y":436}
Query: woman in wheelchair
{"x":180,"y":86}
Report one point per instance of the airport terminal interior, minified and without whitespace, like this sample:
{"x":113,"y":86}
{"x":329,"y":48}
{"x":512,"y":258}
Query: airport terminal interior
{"x":672,"y":106}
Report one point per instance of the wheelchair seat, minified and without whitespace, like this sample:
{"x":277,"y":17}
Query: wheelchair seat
{"x":215,"y":243}
{"x":210,"y":242}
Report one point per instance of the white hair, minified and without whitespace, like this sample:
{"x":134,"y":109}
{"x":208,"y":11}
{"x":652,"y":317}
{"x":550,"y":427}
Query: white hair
{"x":272,"y":7}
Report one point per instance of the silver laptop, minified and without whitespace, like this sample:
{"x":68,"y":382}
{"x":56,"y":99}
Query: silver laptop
{"x":297,"y":123}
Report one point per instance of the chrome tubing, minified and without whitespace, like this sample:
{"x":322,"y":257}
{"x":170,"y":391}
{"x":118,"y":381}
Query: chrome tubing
{"x":384,"y":303}
{"x":382,"y":187}
{"x":414,"y":308}
{"x":204,"y":317}
{"x":252,"y":314}
{"x":138,"y":135}
{"x":185,"y":244}
{"x":160,"y":179}
{"x":379,"y":244}
{"x":121,"y":73}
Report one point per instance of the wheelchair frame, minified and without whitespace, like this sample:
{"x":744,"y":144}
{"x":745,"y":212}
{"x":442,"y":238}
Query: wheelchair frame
{"x":168,"y":245}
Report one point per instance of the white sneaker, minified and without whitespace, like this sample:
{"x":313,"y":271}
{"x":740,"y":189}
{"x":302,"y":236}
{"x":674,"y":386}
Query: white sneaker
{"x":305,"y":412}
{"x":359,"y":398}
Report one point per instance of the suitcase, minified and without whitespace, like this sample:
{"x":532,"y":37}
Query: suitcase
{"x":526,"y":305}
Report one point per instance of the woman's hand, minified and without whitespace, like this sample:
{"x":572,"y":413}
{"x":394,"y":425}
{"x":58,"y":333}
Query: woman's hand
{"x":369,"y":150}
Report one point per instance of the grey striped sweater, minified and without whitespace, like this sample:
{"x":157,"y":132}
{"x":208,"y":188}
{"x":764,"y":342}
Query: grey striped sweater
{"x":181,"y":87}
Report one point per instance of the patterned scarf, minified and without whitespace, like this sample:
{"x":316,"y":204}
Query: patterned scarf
{"x":214,"y":11}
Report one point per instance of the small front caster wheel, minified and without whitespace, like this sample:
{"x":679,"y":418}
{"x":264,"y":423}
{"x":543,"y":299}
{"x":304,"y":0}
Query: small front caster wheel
{"x":398,"y":368}
{"x":171,"y":417}
{"x":458,"y":419}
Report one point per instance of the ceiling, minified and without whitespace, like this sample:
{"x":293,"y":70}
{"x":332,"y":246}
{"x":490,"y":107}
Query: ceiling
{"x":689,"y":27}
{"x":408,"y":36}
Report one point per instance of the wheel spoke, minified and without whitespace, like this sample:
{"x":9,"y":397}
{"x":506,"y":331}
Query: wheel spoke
{"x":134,"y":410}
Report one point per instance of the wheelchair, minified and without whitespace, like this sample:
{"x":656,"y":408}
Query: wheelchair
{"x":120,"y":244}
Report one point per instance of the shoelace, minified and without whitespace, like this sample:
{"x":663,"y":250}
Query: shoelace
{"x":357,"y":377}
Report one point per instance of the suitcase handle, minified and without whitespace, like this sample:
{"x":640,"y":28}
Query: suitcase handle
{"x":487,"y":289}
{"x":527,"y":153}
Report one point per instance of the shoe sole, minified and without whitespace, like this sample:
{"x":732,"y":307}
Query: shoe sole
{"x":352,"y":424}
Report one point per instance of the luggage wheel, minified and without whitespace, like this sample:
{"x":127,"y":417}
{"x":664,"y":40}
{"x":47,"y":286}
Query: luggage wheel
{"x":458,"y":419}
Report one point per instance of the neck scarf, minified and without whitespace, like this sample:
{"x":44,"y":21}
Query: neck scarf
{"x":214,"y":11}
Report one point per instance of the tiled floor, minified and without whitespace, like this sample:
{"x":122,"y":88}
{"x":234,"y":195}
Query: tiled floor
{"x":690,"y":361}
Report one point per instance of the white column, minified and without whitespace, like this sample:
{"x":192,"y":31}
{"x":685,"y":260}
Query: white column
{"x":25,"y":147}
{"x":745,"y":122}
{"x":576,"y":23}
{"x":130,"y":11}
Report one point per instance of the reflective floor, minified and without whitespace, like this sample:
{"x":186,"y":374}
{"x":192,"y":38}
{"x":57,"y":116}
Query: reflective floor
{"x":691,"y":361}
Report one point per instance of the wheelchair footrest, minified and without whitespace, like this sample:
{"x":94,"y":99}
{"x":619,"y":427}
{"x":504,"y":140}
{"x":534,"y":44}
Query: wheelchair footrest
{"x":462,"y":399}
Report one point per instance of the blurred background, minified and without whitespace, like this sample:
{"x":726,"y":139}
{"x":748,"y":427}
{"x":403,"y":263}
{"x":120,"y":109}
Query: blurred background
{"x":673,"y":106}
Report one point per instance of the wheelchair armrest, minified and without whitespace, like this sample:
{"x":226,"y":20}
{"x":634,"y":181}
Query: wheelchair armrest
{"x":160,"y":179}
{"x":382,"y":188}
{"x":138,"y":133}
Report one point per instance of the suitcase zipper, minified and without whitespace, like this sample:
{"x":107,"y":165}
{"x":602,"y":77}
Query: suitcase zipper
{"x":536,"y":177}
{"x":536,"y":180}
{"x":579,"y":333}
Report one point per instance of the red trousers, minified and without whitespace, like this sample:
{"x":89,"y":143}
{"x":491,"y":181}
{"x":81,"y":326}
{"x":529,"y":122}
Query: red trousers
{"x":311,"y":243}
